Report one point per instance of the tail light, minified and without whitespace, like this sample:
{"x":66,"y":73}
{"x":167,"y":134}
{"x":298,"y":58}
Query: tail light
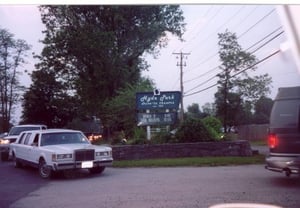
{"x":272,"y":141}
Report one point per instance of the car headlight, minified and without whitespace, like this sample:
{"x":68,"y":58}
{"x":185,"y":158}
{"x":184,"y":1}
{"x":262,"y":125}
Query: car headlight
{"x":56,"y":157}
{"x":102,"y":153}
{"x":4,"y":141}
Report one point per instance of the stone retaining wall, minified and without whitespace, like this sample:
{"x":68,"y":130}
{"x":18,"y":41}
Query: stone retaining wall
{"x":201,"y":149}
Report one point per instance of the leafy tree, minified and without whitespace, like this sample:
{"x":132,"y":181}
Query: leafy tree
{"x":215,"y":125}
{"x":213,"y":122}
{"x":120,"y":111}
{"x":245,"y":115}
{"x":233,"y":107}
{"x":47,"y":101}
{"x":12,"y":56}
{"x":253,"y":89}
{"x":99,"y":49}
{"x":234,"y":81}
{"x":263,"y":109}
{"x":193,"y":111}
{"x":209,"y":109}
{"x":193,"y":130}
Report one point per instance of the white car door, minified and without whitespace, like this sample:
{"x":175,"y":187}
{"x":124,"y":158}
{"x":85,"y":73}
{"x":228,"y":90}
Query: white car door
{"x":26,"y":147}
{"x":33,"y":150}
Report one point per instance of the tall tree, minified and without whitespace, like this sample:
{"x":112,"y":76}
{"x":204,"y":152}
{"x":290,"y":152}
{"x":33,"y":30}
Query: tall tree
{"x":234,"y":80}
{"x":234,"y":107}
{"x":209,"y":109}
{"x":12,"y":56}
{"x":48,"y":101}
{"x":99,"y":49}
{"x":193,"y":111}
{"x":120,"y":111}
{"x":263,"y":108}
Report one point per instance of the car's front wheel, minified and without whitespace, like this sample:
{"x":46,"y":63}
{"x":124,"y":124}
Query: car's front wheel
{"x":44,"y":170}
{"x":96,"y":170}
{"x":17,"y":162}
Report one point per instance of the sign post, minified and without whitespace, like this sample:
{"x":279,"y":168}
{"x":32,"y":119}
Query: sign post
{"x":148,"y":129}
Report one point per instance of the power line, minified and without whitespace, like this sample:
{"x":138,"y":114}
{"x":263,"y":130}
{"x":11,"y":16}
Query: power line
{"x":245,"y":32}
{"x":222,"y":25}
{"x":251,"y":53}
{"x":264,"y":38}
{"x":260,"y":20}
{"x":202,"y":83}
{"x":210,"y":19}
{"x":201,"y":75}
{"x":262,"y":60}
{"x":277,"y":35}
{"x":246,"y":17}
{"x":210,"y":57}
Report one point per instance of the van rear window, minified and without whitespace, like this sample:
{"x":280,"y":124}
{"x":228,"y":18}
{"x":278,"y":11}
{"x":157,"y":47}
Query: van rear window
{"x":285,"y":113}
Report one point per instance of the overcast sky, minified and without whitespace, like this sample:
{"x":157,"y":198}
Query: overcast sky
{"x":257,"y":27}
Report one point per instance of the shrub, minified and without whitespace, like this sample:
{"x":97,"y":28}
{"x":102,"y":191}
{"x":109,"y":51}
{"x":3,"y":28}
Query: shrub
{"x":193,"y":130}
{"x":162,"y":138}
{"x":213,"y":122}
{"x":117,"y":137}
{"x":214,"y":126}
{"x":139,"y":136}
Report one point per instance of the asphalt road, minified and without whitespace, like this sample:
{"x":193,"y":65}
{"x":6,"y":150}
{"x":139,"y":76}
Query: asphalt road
{"x":148,"y":187}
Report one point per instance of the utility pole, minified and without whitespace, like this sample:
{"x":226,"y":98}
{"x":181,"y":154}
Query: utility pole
{"x":181,"y":64}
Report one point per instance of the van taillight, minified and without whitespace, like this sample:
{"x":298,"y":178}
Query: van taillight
{"x":272,"y":140}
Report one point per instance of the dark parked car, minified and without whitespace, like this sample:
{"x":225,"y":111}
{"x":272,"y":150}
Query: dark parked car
{"x":284,"y":132}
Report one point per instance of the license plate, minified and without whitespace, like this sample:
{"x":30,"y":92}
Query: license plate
{"x":87,"y":164}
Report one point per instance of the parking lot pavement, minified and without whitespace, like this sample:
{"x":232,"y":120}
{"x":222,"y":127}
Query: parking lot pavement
{"x":180,"y":187}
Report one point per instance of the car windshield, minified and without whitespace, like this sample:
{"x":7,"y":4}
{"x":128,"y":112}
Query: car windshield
{"x":63,"y":138}
{"x":17,"y":130}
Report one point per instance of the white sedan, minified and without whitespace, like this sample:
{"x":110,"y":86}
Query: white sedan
{"x":57,"y":150}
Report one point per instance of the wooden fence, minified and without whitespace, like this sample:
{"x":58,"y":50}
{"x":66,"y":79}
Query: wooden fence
{"x":253,"y":132}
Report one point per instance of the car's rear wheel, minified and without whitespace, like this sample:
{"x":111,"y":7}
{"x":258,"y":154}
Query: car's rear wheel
{"x":44,"y":170}
{"x":96,"y":170}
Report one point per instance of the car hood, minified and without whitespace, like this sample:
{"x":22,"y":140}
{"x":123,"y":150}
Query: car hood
{"x":11,"y":137}
{"x":69,"y":148}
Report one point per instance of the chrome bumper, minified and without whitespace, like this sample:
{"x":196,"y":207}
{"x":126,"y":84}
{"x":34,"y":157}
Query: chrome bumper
{"x":283,"y":164}
{"x":79,"y":164}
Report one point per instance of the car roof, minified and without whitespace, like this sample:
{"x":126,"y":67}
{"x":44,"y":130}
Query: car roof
{"x":52,"y":131}
{"x":29,"y":125}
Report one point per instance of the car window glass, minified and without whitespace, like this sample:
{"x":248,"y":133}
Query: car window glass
{"x":21,"y":140}
{"x":63,"y":138}
{"x":18,"y":129}
{"x":285,"y":114}
{"x":27,"y":138}
{"x":36,"y":139}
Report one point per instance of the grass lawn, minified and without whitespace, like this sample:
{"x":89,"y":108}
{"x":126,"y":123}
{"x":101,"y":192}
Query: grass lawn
{"x":191,"y":162}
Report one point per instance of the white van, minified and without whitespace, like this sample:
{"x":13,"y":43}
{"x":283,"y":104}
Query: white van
{"x":284,"y":132}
